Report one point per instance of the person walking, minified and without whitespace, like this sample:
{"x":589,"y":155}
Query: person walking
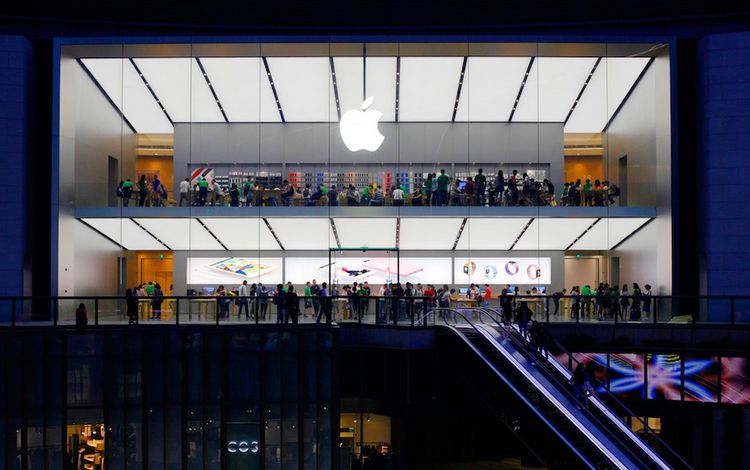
{"x":523,"y":315}
{"x":325,"y":304}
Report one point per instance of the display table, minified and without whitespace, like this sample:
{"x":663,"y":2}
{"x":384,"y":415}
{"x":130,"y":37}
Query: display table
{"x":463,"y":303}
{"x":203,"y":306}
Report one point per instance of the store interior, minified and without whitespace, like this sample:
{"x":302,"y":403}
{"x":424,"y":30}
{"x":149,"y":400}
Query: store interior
{"x":271,"y":113}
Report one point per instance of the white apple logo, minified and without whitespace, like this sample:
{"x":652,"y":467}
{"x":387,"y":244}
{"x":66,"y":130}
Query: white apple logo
{"x":359,"y":128}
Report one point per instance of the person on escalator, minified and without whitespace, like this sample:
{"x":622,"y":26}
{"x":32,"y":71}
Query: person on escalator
{"x":581,"y":381}
{"x":523,"y":315}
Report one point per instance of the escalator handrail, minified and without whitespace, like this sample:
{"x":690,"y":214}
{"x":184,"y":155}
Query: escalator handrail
{"x":599,"y":445}
{"x":633,"y":436}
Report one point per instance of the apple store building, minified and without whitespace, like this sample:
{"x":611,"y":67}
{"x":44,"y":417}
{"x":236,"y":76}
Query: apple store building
{"x":531,"y":166}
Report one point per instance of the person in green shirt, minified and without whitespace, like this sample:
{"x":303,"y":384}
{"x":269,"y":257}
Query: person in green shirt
{"x":127,"y":192}
{"x":480,"y":183}
{"x":587,"y":193}
{"x":202,"y":191}
{"x":150,"y":289}
{"x":307,"y":301}
{"x":323,"y":190}
{"x":442,"y":188}
{"x":587,"y":295}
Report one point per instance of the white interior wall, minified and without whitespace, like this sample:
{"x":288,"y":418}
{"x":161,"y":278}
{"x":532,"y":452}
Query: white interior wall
{"x":642,"y":131}
{"x":91,"y":129}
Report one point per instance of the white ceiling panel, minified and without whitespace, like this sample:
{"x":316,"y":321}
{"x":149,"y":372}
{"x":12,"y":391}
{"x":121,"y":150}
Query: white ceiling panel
{"x":366,"y":232}
{"x":612,"y":80}
{"x":125,"y":232}
{"x":552,"y":234}
{"x":490,"y":88}
{"x":180,"y":233}
{"x":304,"y":87}
{"x":428,"y":233}
{"x":381,"y":84}
{"x":120,"y":81}
{"x":180,"y":86}
{"x":304,"y":233}
{"x":242,"y":85}
{"x":249,"y":233}
{"x":552,"y":87}
{"x":607,"y":233}
{"x":427,"y":90}
{"x":491,"y":233}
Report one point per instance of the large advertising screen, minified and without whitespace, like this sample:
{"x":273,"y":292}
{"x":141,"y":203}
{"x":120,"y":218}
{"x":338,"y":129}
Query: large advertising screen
{"x":701,"y":379}
{"x":513,"y":271}
{"x":374,"y":270}
{"x":231,"y":271}
{"x":626,"y":375}
{"x":663,"y":376}
{"x":735,"y":380}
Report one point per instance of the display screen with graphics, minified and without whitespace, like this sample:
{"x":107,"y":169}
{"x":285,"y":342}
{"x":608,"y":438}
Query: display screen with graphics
{"x":234,"y":270}
{"x":735,"y":380}
{"x":346,"y":270}
{"x":626,"y":375}
{"x":514,"y":271}
{"x":663,"y":379}
{"x":701,"y":379}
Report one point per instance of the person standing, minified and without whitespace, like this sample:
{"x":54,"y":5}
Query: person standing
{"x":127,"y":192}
{"x":398,"y":196}
{"x":307,"y":294}
{"x":216,"y":193}
{"x":185,"y":192}
{"x":624,"y":299}
{"x":428,"y":190}
{"x":262,"y":300}
{"x":131,"y":306}
{"x":243,"y":293}
{"x":247,"y":191}
{"x":291,"y":305}
{"x":556,"y":300}
{"x":523,"y":315}
{"x":487,"y":296}
{"x":315,"y":294}
{"x":82,"y":316}
{"x":480,"y":182}
{"x":234,"y":196}
{"x":157,"y":299}
{"x":325,"y":307}
{"x":442,"y":188}
{"x":279,"y":302}
{"x":202,"y":191}
{"x":333,"y":197}
{"x":635,"y":306}
{"x":142,"y":191}
{"x":647,"y":301}
{"x":614,"y":296}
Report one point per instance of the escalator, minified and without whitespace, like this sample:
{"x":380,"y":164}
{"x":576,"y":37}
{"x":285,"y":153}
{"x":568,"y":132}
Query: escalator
{"x":596,"y":435}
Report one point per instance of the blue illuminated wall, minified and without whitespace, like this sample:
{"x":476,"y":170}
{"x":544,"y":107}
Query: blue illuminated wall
{"x":724,"y":123}
{"x":15,"y":83}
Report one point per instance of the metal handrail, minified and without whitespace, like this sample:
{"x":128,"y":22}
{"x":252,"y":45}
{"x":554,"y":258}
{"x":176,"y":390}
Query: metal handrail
{"x":610,"y":395}
{"x":507,"y":334}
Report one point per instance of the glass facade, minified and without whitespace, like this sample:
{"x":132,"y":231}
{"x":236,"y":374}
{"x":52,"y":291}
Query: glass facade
{"x":167,"y":399}
{"x":199,"y":165}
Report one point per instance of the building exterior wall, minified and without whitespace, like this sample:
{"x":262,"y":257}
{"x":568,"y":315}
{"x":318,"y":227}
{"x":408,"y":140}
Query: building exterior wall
{"x":16,"y":74}
{"x":724,"y":162}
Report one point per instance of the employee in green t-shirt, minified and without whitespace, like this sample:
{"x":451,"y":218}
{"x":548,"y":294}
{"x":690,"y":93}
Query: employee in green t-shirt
{"x":150,"y":289}
{"x":442,"y":188}
{"x":127,"y":192}
{"x":247,"y":191}
{"x":480,"y":183}
{"x":202,"y":191}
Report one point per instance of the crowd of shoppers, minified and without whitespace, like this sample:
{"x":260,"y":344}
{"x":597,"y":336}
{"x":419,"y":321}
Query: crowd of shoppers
{"x":437,"y":189}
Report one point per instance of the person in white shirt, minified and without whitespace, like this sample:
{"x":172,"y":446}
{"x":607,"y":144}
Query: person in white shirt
{"x":217,"y":192}
{"x":243,"y":292}
{"x":398,"y":196}
{"x":185,"y":191}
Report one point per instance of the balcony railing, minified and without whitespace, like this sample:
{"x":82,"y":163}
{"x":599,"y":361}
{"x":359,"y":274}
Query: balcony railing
{"x":385,"y":310}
